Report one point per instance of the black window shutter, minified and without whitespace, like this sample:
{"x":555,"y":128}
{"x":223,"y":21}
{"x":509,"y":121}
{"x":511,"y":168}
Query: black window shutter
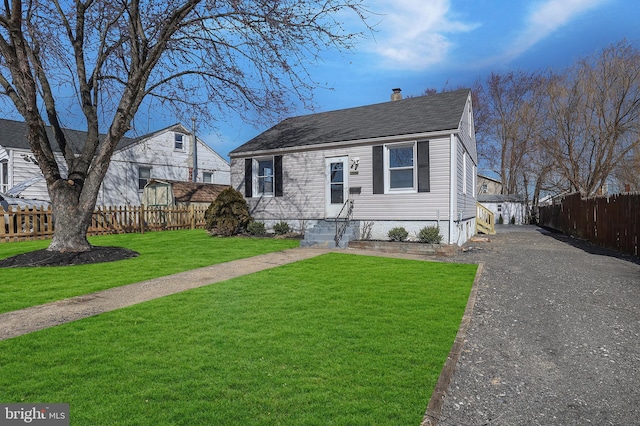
{"x":378,"y":170}
{"x":277,"y":168}
{"x":423,"y":167}
{"x":248,"y":177}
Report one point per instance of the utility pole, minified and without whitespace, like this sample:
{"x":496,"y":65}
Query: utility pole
{"x":195,"y":150}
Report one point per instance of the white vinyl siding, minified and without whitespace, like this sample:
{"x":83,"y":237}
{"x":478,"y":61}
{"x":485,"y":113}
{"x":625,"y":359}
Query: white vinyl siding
{"x":466,"y":203}
{"x":304,"y":188}
{"x":21,"y":170}
{"x":432,"y":205}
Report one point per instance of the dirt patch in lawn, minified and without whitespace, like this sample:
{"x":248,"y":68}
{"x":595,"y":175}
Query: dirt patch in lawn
{"x":52,"y":258}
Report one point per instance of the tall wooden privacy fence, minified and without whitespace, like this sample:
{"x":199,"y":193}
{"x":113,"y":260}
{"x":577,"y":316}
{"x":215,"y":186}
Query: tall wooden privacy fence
{"x":612,"y":221}
{"x":35,"y":224}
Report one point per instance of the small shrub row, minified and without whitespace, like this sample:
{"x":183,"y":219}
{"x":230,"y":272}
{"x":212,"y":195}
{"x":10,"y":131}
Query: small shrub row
{"x":427,"y":235}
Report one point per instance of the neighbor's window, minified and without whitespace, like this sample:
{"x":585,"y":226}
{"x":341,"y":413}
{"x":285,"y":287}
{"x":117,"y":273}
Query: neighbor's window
{"x":4,"y":175}
{"x":144,"y":174}
{"x":265,"y":176}
{"x":179,"y":143}
{"x":401,"y":167}
{"x":207,"y":177}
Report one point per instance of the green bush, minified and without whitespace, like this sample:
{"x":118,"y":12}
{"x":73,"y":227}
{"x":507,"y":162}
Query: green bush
{"x":228,"y":214}
{"x":257,"y":228}
{"x":513,"y":220}
{"x":281,"y":228}
{"x":500,"y":220}
{"x":398,"y":234}
{"x":430,"y":235}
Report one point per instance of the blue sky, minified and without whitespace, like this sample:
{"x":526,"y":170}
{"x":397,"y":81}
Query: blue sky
{"x":421,"y":44}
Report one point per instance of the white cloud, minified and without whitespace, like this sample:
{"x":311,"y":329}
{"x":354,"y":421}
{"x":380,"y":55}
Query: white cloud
{"x":544,"y":19}
{"x":413,"y":34}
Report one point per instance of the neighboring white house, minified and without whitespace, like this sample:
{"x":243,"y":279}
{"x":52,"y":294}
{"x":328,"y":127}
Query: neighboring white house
{"x":165,"y":154}
{"x":408,"y":162}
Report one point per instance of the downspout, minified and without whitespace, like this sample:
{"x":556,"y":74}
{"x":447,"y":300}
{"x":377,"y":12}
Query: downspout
{"x":195,"y":150}
{"x":452,"y":187}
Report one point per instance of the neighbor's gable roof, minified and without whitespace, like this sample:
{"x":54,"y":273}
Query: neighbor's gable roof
{"x":424,"y":114}
{"x":13,"y":134}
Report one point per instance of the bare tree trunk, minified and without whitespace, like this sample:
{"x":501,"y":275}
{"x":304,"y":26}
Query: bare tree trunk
{"x":71,"y":217}
{"x":70,"y":224}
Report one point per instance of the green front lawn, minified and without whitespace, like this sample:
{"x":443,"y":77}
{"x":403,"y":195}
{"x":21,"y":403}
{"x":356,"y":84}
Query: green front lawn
{"x":161,"y":253}
{"x":338,"y":339}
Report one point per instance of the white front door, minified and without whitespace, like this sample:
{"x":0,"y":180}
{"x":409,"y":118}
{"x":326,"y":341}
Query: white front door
{"x":336,"y":186}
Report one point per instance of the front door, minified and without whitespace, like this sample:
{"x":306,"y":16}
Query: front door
{"x":336,"y":192}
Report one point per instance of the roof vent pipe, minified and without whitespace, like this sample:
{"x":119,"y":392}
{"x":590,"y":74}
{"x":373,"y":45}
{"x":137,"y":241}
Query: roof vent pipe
{"x":396,"y":95}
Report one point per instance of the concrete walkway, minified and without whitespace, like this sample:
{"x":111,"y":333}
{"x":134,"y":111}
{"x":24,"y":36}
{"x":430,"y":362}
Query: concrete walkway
{"x":35,"y":318}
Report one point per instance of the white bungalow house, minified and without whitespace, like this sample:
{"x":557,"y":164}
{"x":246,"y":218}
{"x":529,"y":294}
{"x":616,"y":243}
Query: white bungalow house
{"x":408,"y":162}
{"x":165,"y":154}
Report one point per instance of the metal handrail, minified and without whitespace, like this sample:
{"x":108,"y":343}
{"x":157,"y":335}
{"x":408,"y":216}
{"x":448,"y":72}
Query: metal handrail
{"x":340,"y":229}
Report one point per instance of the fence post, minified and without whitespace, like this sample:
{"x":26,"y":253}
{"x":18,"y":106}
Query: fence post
{"x":192,"y":211}
{"x":141,"y":218}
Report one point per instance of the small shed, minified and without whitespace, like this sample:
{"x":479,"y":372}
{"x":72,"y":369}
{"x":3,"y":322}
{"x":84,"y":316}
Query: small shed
{"x":509,"y":206}
{"x":159,"y":193}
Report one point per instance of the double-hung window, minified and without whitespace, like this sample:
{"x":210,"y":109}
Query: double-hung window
{"x":178,"y":142}
{"x":265,"y":176}
{"x":144,"y":174}
{"x":401,"y":170}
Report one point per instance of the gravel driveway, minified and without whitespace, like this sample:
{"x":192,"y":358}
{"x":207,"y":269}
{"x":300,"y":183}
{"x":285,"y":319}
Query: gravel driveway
{"x":554,"y":335}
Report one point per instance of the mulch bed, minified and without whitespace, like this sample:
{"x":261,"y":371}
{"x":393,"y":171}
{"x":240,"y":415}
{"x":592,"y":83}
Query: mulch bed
{"x":52,"y":258}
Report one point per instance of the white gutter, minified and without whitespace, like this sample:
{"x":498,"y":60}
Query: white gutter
{"x":453,"y":187}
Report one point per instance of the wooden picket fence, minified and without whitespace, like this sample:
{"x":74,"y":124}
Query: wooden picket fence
{"x":612,"y":222}
{"x":37,"y":224}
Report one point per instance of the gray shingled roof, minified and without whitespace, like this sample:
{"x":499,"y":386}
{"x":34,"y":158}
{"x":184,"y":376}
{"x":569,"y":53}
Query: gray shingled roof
{"x":13,"y":134}
{"x":442,"y":111}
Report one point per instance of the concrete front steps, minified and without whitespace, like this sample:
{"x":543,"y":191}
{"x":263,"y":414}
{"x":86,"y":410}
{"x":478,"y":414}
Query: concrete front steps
{"x":324,"y":232}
